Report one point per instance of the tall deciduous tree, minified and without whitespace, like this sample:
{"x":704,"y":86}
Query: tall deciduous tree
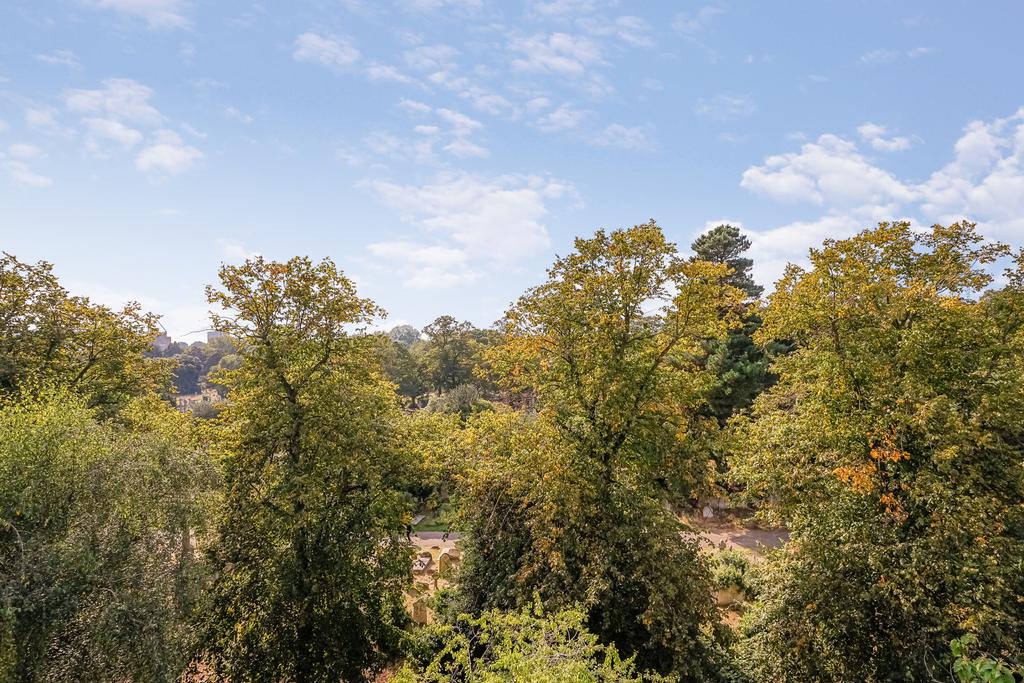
{"x":50,"y":336}
{"x":449,"y":355}
{"x":311,"y":559}
{"x":609,"y":344}
{"x":893,"y":448}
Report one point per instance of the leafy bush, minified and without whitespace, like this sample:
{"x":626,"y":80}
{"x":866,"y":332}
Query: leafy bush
{"x":971,"y":667}
{"x":526,"y":645}
{"x":731,"y":569}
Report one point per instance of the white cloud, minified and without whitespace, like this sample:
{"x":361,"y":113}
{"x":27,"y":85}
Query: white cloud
{"x":330,"y":52}
{"x":167,"y":154}
{"x":887,"y":56}
{"x":383,"y":72}
{"x":431,"y":5}
{"x":771,"y":250}
{"x":383,"y":143}
{"x":60,"y":58}
{"x":23,"y":175}
{"x":459,"y":130}
{"x":41,"y":118}
{"x":624,"y":137}
{"x":726,"y":106}
{"x":425,"y":266}
{"x":193,"y":131}
{"x":880,"y":56}
{"x":690,"y":24}
{"x":480,"y":97}
{"x":108,"y":129}
{"x":627,"y":29}
{"x":498,"y":218}
{"x":984,"y":182}
{"x":828,"y":171}
{"x":121,"y":99}
{"x":464,"y":149}
{"x":874,"y":134}
{"x":558,"y":8}
{"x":236,"y":114}
{"x":537,"y":103}
{"x":563,"y":118}
{"x":557,"y":53}
{"x":414,"y":107}
{"x":431,"y":57}
{"x":156,"y":13}
{"x":21,"y":150}
{"x":234,"y":251}
{"x":985,"y":179}
{"x":461,"y":124}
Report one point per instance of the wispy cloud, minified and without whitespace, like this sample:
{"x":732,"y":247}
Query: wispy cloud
{"x":158,"y":14}
{"x":635,"y":138}
{"x":335,"y":53}
{"x":726,"y":106}
{"x":167,"y":154}
{"x":60,"y":58}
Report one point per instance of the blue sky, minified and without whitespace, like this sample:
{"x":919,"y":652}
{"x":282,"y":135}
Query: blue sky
{"x":443,"y":151}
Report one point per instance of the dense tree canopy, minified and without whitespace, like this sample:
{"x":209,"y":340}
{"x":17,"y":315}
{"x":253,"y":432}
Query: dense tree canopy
{"x":893,"y":448}
{"x":97,"y":575}
{"x":310,"y":558}
{"x":50,"y":336}
{"x":569,"y":503}
{"x":870,"y":406}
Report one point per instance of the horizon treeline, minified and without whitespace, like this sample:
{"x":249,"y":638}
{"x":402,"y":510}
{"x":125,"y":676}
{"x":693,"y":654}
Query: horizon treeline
{"x":872,"y":405}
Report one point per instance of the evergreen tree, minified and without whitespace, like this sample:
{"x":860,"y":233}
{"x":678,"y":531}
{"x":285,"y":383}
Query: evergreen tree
{"x":739,"y":366}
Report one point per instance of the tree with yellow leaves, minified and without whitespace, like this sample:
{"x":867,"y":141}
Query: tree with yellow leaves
{"x":570,"y":503}
{"x":892,"y":446}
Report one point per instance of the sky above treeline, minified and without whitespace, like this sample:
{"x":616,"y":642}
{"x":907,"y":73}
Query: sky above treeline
{"x":442,"y":152}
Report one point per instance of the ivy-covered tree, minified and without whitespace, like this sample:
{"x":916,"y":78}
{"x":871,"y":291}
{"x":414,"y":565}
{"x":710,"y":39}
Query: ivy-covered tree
{"x":892,"y":447}
{"x":312,"y":557}
{"x":98,"y":518}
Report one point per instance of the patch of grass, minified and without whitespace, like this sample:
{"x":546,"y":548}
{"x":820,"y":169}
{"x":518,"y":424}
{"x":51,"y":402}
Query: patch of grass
{"x":433,"y":524}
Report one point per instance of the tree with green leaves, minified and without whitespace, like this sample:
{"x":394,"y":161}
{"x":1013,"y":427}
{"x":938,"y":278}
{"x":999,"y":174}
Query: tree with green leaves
{"x":98,"y":518}
{"x":570,"y":504}
{"x":892,"y":447}
{"x":406,"y":335}
{"x":51,"y":337}
{"x":449,"y":354}
{"x":312,"y":558}
{"x":522,"y":645}
{"x":404,"y":369}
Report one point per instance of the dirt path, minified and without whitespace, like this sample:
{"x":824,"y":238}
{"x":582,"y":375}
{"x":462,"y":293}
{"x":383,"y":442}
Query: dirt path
{"x":712,"y":534}
{"x":735,"y":535}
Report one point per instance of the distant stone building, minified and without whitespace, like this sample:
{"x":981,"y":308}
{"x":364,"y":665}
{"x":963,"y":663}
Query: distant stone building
{"x":187,"y":402}
{"x":214,"y":334}
{"x":161,"y":342}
